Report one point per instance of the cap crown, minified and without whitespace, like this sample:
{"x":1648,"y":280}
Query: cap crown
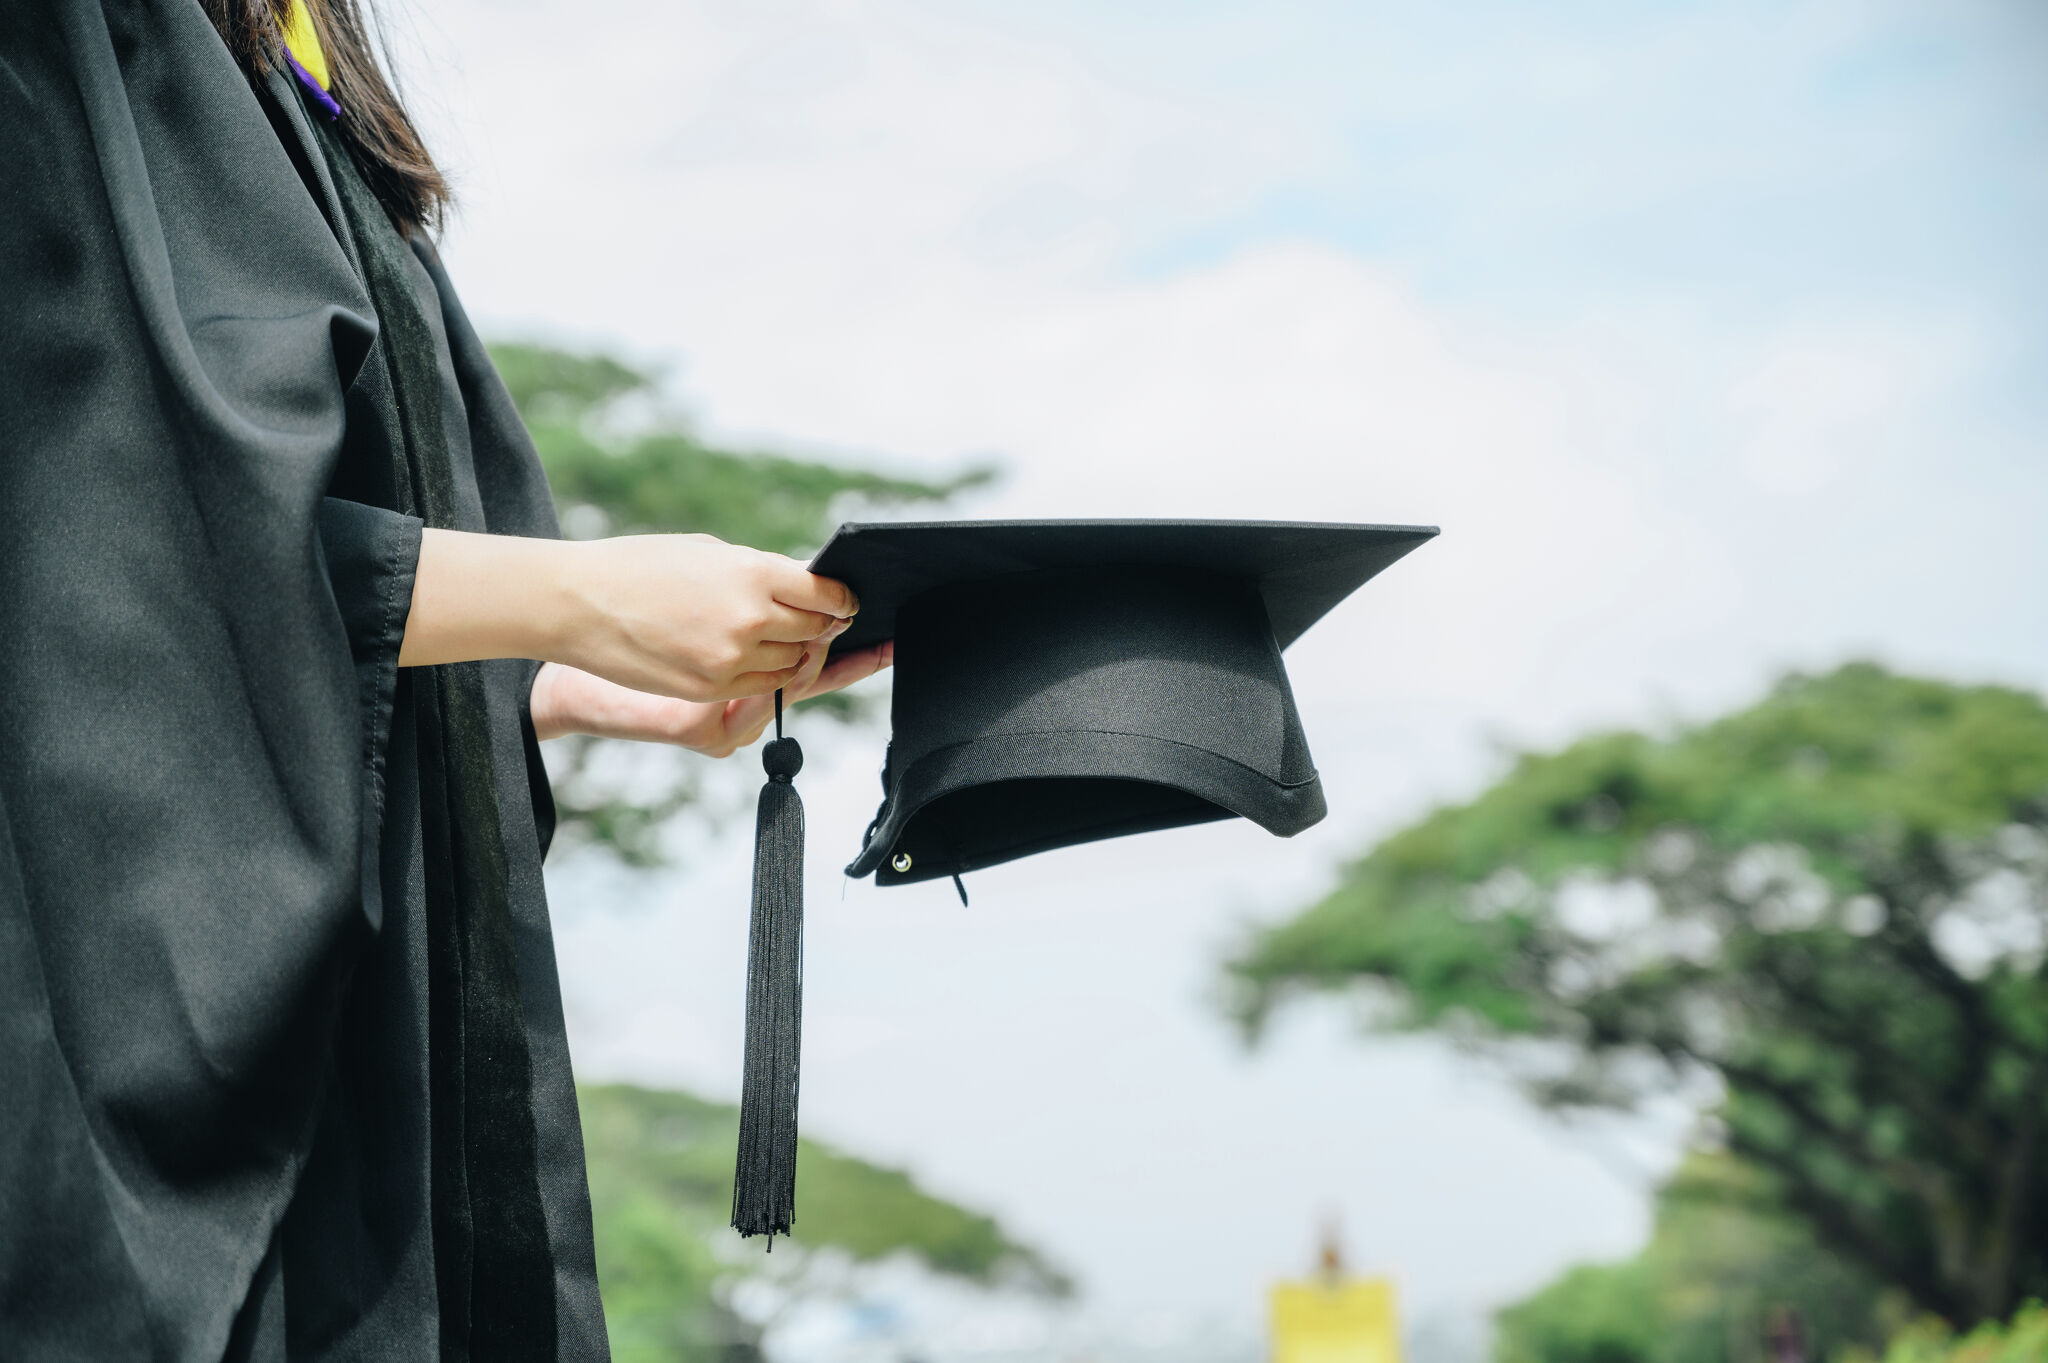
{"x":1059,"y":682}
{"x":1038,"y":710}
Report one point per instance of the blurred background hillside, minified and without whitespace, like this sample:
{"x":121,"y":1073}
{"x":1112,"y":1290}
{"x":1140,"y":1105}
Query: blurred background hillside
{"x":1666,"y":983}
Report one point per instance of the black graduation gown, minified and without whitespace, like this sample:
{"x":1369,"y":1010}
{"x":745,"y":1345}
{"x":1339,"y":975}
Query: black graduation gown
{"x":282,"y":1064}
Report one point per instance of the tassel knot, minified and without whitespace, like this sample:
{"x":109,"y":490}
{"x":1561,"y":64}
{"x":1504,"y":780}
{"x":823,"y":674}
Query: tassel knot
{"x":782,"y":759}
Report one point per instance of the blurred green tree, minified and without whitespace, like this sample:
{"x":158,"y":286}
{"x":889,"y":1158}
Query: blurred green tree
{"x":621,"y":463}
{"x":1834,"y":904}
{"x":661,"y":1195}
{"x":1722,"y":1267}
{"x":2023,"y":1339}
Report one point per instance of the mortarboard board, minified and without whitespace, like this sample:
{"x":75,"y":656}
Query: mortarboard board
{"x":1056,"y":682}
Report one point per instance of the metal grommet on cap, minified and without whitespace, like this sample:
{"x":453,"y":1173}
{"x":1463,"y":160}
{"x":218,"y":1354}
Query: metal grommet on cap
{"x":901,"y":861}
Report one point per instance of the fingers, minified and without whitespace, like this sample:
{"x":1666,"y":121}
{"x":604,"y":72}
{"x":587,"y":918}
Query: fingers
{"x":746,"y":718}
{"x":796,"y":586}
{"x":744,"y":721}
{"x":814,"y":663}
{"x":818,"y":651}
{"x":771,"y":657}
{"x":786,"y":624}
{"x":760,"y":683}
{"x":795,"y":684}
{"x":775,"y":667}
{"x":849,"y":668}
{"x":690,"y":617}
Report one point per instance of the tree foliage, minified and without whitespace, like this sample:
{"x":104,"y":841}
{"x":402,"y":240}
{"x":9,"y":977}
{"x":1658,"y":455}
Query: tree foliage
{"x":1834,"y":902}
{"x":1720,"y":1274}
{"x":620,"y":463}
{"x":620,"y":471}
{"x":661,"y":1194}
{"x":2023,"y":1339}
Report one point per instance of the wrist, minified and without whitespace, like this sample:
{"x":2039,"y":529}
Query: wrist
{"x":568,"y":700}
{"x":560,"y":604}
{"x":543,"y":704}
{"x":493,"y":596}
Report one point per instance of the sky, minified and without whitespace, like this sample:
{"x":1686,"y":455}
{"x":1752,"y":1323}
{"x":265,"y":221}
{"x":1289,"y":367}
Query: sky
{"x":1711,"y":335}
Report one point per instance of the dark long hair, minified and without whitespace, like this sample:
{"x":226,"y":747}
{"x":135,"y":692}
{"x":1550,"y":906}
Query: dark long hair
{"x":380,"y":138}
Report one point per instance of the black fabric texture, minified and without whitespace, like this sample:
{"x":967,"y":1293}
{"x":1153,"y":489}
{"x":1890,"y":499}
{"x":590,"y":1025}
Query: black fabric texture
{"x":280,"y":1031}
{"x":1038,"y":710}
{"x":370,"y":555}
{"x":493,"y":1270}
{"x":1301,"y":569}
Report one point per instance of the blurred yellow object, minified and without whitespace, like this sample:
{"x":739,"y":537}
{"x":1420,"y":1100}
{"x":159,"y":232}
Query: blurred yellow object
{"x":1335,"y":1320}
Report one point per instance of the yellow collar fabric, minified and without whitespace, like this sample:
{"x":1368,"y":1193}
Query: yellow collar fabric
{"x":302,"y":41}
{"x":308,"y":62}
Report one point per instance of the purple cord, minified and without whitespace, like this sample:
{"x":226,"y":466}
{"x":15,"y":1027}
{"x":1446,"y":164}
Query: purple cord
{"x":320,"y":96}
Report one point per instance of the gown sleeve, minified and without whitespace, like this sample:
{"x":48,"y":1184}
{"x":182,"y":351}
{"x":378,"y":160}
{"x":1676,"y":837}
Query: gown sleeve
{"x":371,"y":555}
{"x":194,"y":646}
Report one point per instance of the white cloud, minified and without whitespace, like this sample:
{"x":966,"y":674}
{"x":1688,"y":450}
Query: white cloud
{"x":1832,"y":399}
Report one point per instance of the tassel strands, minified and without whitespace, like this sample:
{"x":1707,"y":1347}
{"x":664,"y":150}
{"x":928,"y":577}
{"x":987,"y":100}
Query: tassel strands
{"x":764,"y":1180}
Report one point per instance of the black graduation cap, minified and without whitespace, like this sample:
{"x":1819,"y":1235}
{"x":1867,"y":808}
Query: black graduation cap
{"x":1056,"y":682}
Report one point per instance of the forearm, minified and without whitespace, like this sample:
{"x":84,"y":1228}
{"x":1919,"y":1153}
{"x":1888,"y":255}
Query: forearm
{"x":681,"y":616}
{"x":488,"y":596}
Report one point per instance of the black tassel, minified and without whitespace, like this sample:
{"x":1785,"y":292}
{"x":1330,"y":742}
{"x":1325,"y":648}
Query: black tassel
{"x":764,"y":1181}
